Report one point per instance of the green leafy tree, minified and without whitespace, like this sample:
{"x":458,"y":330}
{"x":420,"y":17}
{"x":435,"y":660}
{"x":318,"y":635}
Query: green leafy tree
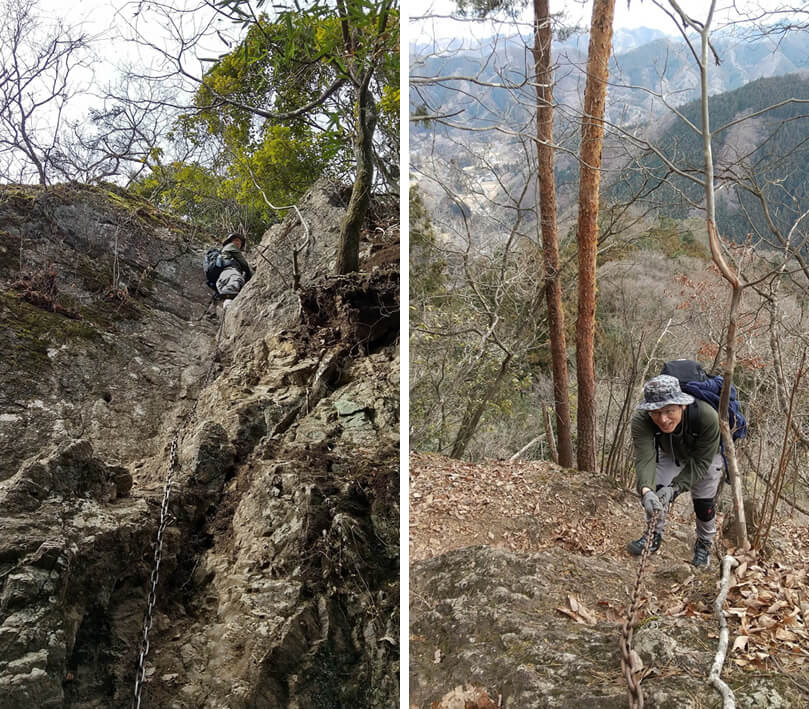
{"x":306,"y":92}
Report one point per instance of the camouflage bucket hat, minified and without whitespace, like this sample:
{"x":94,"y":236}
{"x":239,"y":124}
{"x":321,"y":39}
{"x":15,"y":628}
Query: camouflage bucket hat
{"x":662,"y":391}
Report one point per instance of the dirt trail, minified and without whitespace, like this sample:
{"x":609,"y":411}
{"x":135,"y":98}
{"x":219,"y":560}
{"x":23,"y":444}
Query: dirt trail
{"x":574,"y":528}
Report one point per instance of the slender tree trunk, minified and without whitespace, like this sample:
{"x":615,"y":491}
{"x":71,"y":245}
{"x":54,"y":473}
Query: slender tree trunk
{"x":543,"y":76}
{"x":592,"y":134}
{"x":29,"y":149}
{"x":730,"y":277}
{"x":768,"y":509}
{"x":778,"y":368}
{"x":546,"y":419}
{"x":724,"y":424}
{"x":348,"y":250}
{"x":474,"y":411}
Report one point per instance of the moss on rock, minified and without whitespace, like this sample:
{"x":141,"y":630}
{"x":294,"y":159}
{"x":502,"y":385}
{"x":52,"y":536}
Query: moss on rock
{"x":29,"y":332}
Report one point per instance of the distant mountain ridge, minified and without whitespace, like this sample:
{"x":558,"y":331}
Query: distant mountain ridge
{"x":623,"y":40}
{"x":770,"y":150}
{"x":641,"y":57}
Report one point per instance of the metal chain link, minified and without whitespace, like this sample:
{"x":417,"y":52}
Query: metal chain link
{"x":140,"y":675}
{"x":635,"y":692}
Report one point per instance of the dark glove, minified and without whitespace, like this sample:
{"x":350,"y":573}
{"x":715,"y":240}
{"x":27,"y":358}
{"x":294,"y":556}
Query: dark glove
{"x":651,"y":503}
{"x":668,"y":493}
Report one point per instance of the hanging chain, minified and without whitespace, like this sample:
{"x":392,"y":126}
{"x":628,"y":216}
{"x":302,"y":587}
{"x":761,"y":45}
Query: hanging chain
{"x":635,"y":692}
{"x":140,"y":674}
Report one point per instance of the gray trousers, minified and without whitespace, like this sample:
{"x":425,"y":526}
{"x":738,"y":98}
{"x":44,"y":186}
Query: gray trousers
{"x":703,"y":490}
{"x":230,"y":281}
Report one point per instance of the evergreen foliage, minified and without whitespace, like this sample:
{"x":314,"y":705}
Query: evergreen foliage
{"x":770,"y":153}
{"x":247,"y":118}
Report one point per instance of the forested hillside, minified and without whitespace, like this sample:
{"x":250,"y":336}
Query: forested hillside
{"x":499,"y":62}
{"x":768,"y":155}
{"x":479,"y":174}
{"x":565,"y":246}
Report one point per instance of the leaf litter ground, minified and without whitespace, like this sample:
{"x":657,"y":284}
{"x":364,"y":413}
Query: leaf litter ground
{"x":528,"y":507}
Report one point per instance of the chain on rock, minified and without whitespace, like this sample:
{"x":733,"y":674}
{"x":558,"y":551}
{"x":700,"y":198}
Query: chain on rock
{"x":165,"y":518}
{"x":635,"y":692}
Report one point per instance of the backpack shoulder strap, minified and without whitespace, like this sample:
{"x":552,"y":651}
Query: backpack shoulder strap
{"x":693,"y":420}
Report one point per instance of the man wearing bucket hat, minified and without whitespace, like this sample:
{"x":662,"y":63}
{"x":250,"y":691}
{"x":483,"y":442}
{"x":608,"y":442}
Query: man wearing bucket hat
{"x":671,"y":457}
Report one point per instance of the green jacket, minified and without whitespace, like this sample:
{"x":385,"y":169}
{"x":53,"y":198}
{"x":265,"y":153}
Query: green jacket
{"x":693,"y":453}
{"x":231,"y":251}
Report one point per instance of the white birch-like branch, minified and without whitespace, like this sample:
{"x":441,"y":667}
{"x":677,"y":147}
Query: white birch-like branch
{"x":524,"y":448}
{"x":652,"y":353}
{"x":728,"y":700}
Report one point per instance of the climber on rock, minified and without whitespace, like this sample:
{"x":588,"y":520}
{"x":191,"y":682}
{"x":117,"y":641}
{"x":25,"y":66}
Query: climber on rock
{"x":237,"y":271}
{"x":674,"y":454}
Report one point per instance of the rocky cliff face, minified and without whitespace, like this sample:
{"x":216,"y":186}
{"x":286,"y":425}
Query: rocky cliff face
{"x":278,"y":581}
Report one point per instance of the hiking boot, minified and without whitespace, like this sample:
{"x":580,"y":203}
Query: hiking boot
{"x":702,"y":551}
{"x":636,"y":548}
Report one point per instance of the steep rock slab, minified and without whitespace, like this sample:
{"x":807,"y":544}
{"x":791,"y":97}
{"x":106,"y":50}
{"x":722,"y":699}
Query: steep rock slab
{"x":291,"y":599}
{"x":279,"y":574}
{"x":100,"y":297}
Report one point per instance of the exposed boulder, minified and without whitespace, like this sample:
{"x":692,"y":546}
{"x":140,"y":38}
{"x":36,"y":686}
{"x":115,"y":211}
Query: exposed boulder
{"x":488,"y":617}
{"x":68,"y":601}
{"x":72,"y":470}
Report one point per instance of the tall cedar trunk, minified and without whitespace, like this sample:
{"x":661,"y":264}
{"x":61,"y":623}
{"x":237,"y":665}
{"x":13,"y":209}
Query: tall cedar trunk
{"x":474,"y":411}
{"x":348,"y":250}
{"x":592,"y":134}
{"x":543,"y":75}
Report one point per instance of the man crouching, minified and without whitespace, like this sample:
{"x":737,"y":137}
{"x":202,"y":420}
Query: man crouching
{"x":674,"y":454}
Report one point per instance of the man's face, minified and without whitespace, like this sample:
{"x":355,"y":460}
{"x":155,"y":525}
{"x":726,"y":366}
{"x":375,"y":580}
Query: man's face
{"x":238,"y":243}
{"x":667,"y":418}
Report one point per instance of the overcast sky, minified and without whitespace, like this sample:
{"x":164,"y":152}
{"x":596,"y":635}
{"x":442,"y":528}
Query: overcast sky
{"x":107,"y":23}
{"x":108,"y":20}
{"x":640,"y":13}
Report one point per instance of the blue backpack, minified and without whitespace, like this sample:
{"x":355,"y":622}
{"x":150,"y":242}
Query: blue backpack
{"x":694,"y":380}
{"x":710,"y":391}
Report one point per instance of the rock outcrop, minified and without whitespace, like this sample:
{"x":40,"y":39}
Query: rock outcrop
{"x":278,"y":580}
{"x":533,"y":617}
{"x":99,"y":323}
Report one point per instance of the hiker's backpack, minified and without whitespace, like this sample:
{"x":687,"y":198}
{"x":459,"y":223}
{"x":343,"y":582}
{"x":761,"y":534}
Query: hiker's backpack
{"x":693,"y":380}
{"x":212,"y":266}
{"x":686,"y":370}
{"x":213,"y":263}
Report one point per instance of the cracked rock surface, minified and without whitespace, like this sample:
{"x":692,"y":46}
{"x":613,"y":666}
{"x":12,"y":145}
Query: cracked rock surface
{"x":278,"y":581}
{"x":520,"y":584}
